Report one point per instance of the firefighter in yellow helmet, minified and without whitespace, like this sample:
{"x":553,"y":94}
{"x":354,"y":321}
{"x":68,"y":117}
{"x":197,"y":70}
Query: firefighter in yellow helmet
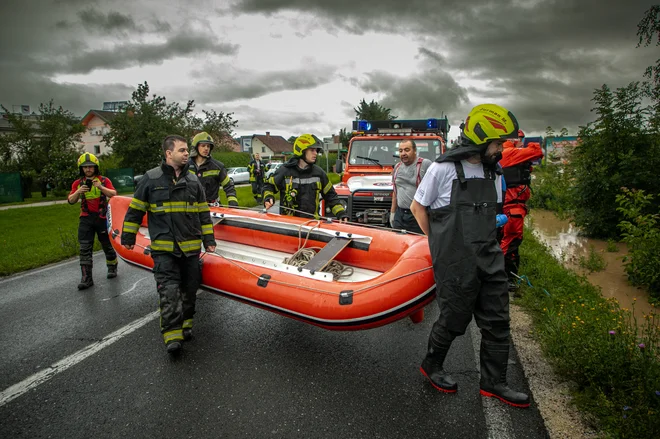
{"x":301,"y":183}
{"x":455,"y":205}
{"x":210,"y":171}
{"x":93,"y":191}
{"x":257,"y":170}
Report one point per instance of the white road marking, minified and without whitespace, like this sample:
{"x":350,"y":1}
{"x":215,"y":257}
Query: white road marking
{"x":498,"y":420}
{"x":127,"y":291}
{"x":38,"y":378}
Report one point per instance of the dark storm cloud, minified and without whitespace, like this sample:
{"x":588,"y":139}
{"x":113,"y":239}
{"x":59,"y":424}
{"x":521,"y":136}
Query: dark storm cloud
{"x":542,"y":58}
{"x":276,"y":120}
{"x":224,"y":83}
{"x":97,"y":21}
{"x":427,"y":91}
{"x":128,"y":55}
{"x":39,"y":40}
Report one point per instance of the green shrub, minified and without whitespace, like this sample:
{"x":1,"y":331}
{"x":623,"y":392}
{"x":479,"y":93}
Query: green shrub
{"x":611,"y":246}
{"x":550,"y":189}
{"x":593,"y":262}
{"x":232,"y":159}
{"x":611,"y":355}
{"x":641,"y":231}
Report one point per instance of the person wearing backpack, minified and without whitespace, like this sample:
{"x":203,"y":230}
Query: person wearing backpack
{"x":406,"y":176}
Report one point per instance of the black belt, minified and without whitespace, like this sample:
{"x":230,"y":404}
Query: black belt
{"x":404,"y":210}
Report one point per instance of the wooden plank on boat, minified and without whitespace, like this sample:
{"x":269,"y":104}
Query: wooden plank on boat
{"x":327,"y":254}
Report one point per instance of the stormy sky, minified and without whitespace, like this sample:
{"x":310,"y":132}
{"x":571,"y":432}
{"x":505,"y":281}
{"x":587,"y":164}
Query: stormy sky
{"x":293,"y":66}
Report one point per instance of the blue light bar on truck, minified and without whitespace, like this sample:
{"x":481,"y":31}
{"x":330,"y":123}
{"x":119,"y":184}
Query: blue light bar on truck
{"x":363,"y":125}
{"x":430,"y":124}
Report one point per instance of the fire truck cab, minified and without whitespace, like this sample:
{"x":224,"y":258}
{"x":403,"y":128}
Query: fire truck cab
{"x":366,"y":187}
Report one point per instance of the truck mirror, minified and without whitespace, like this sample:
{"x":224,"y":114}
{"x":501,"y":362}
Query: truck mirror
{"x":339,"y":166}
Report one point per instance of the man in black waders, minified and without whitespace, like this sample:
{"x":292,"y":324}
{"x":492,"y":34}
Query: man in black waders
{"x":210,"y":172}
{"x":179,"y":222}
{"x":455,"y":205}
{"x":93,"y":191}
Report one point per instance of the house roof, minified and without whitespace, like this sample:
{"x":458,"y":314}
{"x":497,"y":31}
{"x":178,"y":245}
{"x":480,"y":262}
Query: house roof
{"x":106,"y":116}
{"x":277,"y":144}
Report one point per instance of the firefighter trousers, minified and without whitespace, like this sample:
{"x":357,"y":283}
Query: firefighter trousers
{"x":88,"y":227}
{"x":177,"y":281}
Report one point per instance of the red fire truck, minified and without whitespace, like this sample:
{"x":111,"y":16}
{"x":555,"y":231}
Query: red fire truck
{"x":366,"y":187}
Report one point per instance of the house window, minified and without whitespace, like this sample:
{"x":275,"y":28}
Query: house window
{"x":97,"y":149}
{"x":263,"y":149}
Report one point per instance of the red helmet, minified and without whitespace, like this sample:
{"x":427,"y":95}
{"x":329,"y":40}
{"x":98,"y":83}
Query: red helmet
{"x":521,"y":134}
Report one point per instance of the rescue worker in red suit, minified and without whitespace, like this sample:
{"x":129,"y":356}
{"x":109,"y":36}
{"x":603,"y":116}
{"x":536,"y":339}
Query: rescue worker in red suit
{"x":516,"y":165}
{"x":93,"y":191}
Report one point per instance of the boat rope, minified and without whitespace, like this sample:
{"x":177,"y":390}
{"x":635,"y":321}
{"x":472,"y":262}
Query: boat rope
{"x":305,"y":254}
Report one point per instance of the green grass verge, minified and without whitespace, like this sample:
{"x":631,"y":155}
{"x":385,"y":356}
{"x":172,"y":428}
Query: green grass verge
{"x":610,"y":353}
{"x":35,"y":236}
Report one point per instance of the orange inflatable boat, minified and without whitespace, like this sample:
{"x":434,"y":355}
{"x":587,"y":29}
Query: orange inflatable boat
{"x":345,"y":277}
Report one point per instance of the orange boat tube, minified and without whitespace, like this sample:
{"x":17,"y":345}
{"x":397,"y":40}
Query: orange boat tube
{"x":377,"y":275}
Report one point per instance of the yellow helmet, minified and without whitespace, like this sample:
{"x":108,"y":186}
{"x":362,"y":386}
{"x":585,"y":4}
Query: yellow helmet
{"x":488,"y":122}
{"x":202,"y":137}
{"x":305,"y":141}
{"x":88,"y":159}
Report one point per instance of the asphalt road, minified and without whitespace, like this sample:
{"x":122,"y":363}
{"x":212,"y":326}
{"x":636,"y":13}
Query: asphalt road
{"x":81,"y":364}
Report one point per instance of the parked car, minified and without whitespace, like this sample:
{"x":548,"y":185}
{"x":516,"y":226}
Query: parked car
{"x":272,"y":167}
{"x":238,"y":175}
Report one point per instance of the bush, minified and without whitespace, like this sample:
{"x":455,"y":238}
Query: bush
{"x":232,"y":159}
{"x":641,"y":231}
{"x":611,"y":356}
{"x":550,"y":189}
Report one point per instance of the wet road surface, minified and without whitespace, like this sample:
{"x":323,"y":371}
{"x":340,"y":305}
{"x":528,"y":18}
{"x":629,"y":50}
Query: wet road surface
{"x":91,"y":363}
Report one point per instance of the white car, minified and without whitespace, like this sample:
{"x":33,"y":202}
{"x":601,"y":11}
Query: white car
{"x":272,"y":168}
{"x":239,"y":175}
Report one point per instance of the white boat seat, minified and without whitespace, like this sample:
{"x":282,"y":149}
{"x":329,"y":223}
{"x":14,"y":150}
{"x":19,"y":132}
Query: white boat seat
{"x":327,"y":254}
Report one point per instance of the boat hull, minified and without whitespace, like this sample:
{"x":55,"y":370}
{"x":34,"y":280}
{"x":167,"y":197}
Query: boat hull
{"x":388,"y":277}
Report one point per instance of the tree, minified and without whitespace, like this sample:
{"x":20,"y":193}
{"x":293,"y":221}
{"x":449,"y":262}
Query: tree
{"x":344,"y":137}
{"x":549,"y":132}
{"x":219,"y":125}
{"x":45,"y":149}
{"x":292,"y":139}
{"x":372,"y":111}
{"x":616,"y":150}
{"x":137,"y":132}
{"x":563,"y":132}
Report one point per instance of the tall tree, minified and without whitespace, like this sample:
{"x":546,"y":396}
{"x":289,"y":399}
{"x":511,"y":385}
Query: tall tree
{"x":137,"y":132}
{"x":344,"y":137}
{"x":549,"y":132}
{"x":372,"y":111}
{"x":44,"y":148}
{"x":219,"y":125}
{"x":563,"y":132}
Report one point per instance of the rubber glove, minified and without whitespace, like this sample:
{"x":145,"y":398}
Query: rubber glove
{"x":501,"y":219}
{"x":391,"y":219}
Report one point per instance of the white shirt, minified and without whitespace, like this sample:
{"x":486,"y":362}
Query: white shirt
{"x":435,"y":188}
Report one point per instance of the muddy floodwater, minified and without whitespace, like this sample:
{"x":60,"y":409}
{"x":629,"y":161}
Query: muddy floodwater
{"x":567,"y":246}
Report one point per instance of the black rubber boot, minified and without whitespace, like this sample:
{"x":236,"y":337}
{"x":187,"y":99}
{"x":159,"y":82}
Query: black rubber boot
{"x":494,"y":364}
{"x":173,"y":347}
{"x":112,"y":271}
{"x":432,"y":369}
{"x":86,"y":280}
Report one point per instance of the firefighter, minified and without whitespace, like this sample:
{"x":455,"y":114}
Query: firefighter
{"x":456,"y":207}
{"x":301,"y":183}
{"x":93,"y":191}
{"x":179,"y":222}
{"x":257,"y":171}
{"x":210,"y":172}
{"x":517,"y":168}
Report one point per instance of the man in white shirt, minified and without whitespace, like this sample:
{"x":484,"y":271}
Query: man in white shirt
{"x":455,"y":205}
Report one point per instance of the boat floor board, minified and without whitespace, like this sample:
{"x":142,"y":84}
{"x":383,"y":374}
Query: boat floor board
{"x":327,"y":254}
{"x":275,"y":256}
